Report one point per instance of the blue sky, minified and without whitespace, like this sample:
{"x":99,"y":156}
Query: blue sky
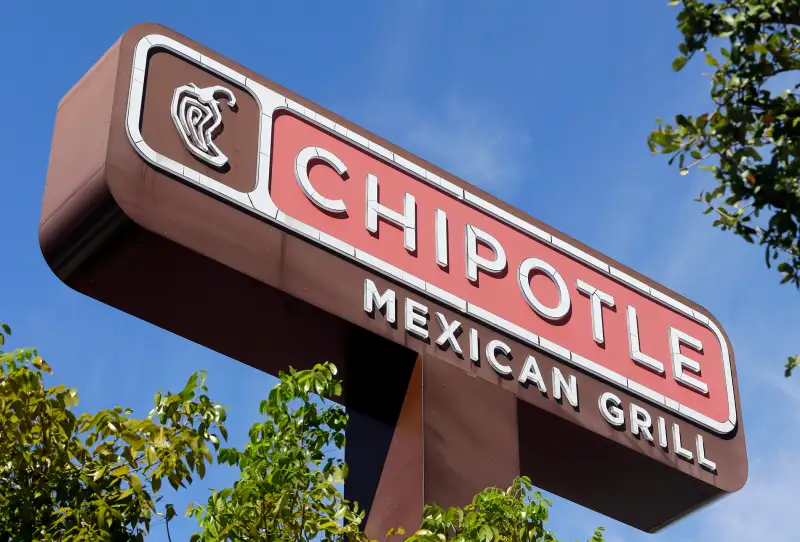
{"x":546,"y":105}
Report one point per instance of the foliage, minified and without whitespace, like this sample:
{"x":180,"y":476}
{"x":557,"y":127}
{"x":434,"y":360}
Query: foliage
{"x":494,"y":515}
{"x":288,"y":486}
{"x":97,"y":476}
{"x":751,"y":132}
{"x":94,"y":476}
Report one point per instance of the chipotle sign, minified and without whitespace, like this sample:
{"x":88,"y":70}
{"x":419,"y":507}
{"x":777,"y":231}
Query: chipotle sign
{"x":193,"y":193}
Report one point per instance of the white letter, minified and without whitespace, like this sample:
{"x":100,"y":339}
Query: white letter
{"x":701,"y":456}
{"x":473,"y":235}
{"x":336,"y":206}
{"x":441,"y":238}
{"x":474,"y":347}
{"x":612,"y":414}
{"x":498,"y":346}
{"x":448,"y":333}
{"x":676,"y":440}
{"x":679,"y":361}
{"x":407,"y":220}
{"x":415,"y":318}
{"x":640,"y":420}
{"x":372,"y":297}
{"x":524,"y":279}
{"x":570,"y":390}
{"x":662,"y":432}
{"x":597,"y":299}
{"x":635,"y":349}
{"x":530,"y":373}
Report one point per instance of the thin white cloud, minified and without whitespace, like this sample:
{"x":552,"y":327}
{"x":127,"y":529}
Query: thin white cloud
{"x":460,"y":136}
{"x":473,"y":143}
{"x":696,"y":259}
{"x":765,"y":509}
{"x":457,"y":131}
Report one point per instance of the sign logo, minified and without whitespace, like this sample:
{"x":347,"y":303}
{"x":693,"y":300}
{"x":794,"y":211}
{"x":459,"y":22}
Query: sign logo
{"x":198,"y":119}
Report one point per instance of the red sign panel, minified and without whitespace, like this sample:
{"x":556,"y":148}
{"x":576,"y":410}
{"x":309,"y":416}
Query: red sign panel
{"x":636,"y":337}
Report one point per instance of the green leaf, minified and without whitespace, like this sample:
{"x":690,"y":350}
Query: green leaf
{"x":99,"y":473}
{"x":134,"y":440}
{"x":125,"y":494}
{"x":728,"y":19}
{"x":135,"y":482}
{"x":120,"y":471}
{"x":791,"y":364}
{"x":40,"y":364}
{"x":679,"y":63}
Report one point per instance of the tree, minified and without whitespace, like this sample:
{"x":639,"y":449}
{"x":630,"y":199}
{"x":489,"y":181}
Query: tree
{"x":750,"y":139}
{"x":288,"y":489}
{"x":98,"y":476}
{"x":94,"y":476}
{"x":288,"y":485}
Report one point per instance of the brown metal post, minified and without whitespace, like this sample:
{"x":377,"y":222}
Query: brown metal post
{"x":439,"y":415}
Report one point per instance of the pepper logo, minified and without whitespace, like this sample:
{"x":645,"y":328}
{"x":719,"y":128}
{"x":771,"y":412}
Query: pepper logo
{"x":198,"y":119}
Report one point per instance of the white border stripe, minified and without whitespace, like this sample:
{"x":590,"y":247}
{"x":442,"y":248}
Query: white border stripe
{"x":505,"y":216}
{"x":270,"y":101}
{"x":502,"y":324}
